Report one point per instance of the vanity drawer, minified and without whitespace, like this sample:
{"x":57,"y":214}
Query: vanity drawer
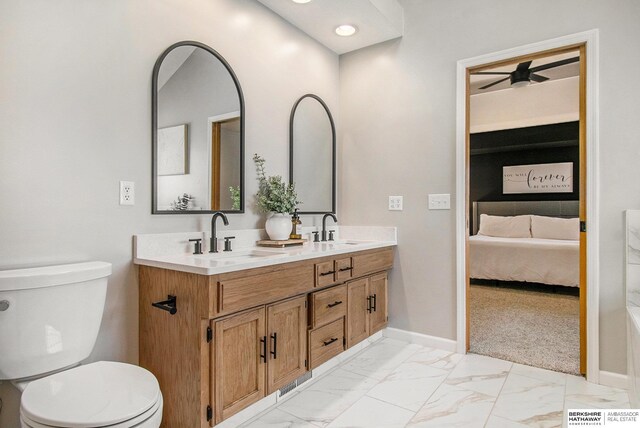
{"x":325,"y":273}
{"x":372,"y":262}
{"x":326,"y":342}
{"x":241,"y":293}
{"x":344,"y":267}
{"x":328,"y":305}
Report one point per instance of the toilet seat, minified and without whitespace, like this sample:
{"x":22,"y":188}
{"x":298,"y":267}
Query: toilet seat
{"x":95,"y":395}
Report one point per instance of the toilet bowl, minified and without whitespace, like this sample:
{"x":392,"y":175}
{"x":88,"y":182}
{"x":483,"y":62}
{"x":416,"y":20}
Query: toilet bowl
{"x":49,"y":321}
{"x":100,"y":394}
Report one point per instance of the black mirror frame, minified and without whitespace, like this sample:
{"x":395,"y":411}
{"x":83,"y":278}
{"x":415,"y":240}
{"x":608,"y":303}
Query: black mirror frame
{"x":154,"y":128}
{"x":333,"y":148}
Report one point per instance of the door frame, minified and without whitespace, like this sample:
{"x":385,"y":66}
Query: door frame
{"x":212,"y":169}
{"x":590,"y":40}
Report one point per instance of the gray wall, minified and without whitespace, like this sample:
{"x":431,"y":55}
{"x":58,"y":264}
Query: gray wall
{"x":397,"y":103}
{"x":75,"y":118}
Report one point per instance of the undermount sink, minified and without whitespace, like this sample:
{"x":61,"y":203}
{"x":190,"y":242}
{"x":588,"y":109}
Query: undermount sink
{"x":237,"y":256}
{"x":242,"y":254}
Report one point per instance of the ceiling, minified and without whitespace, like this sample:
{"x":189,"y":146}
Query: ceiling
{"x":376,"y":20}
{"x":556,"y":73}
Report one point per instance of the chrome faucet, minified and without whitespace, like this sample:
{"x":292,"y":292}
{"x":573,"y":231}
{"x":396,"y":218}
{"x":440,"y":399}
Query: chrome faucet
{"x":213,"y":244}
{"x":324,"y":224}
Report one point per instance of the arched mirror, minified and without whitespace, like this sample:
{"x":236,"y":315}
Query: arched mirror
{"x":312,"y":155}
{"x":198,"y":132}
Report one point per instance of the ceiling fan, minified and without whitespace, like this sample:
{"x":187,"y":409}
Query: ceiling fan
{"x":523,"y":75}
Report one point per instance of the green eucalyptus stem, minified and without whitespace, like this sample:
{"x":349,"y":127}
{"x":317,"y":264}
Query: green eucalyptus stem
{"x":274,"y":195}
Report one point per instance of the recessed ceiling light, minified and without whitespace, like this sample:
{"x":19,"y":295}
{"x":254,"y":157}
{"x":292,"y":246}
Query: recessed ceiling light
{"x":346,"y":30}
{"x":301,"y":1}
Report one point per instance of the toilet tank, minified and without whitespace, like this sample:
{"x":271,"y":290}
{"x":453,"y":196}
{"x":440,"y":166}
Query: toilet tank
{"x":49,"y":316}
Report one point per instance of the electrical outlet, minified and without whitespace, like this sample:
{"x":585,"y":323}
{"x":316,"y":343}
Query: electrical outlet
{"x":440,"y":202}
{"x":127,"y":193}
{"x":395,"y":203}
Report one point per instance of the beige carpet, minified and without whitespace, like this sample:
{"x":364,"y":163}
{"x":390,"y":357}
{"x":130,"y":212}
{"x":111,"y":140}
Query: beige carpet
{"x":526,"y":327}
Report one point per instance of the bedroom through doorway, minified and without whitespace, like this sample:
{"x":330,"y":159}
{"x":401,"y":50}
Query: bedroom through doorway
{"x":526,"y":296}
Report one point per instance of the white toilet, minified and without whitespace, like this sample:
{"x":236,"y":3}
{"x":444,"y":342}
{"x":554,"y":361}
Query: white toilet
{"x":49,"y":321}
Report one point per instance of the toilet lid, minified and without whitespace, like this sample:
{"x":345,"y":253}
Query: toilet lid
{"x":95,"y":395}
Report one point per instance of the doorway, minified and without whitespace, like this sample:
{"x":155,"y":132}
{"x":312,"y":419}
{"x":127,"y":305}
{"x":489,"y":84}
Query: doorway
{"x":585,"y":44}
{"x":524,"y":193}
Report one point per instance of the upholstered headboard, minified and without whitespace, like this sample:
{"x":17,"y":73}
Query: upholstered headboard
{"x":565,"y":209}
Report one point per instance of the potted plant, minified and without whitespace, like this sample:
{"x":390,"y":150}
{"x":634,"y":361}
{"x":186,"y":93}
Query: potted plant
{"x":277,"y":198}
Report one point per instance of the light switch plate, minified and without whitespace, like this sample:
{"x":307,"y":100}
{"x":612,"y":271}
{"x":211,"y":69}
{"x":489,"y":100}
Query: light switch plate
{"x":440,"y":201}
{"x":127,"y":193}
{"x":395,"y":203}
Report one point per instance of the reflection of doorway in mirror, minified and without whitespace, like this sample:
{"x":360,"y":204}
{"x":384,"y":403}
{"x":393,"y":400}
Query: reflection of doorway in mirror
{"x":224,"y":131}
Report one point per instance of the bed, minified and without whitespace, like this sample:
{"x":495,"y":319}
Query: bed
{"x":515,"y":255}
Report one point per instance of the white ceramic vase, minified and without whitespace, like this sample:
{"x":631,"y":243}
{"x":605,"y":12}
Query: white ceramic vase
{"x":278,"y":226}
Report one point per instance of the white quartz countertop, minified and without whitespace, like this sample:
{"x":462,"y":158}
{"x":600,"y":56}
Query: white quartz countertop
{"x":155,"y":250}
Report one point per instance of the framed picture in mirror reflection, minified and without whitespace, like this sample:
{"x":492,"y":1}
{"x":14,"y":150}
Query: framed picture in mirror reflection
{"x":173,"y":148}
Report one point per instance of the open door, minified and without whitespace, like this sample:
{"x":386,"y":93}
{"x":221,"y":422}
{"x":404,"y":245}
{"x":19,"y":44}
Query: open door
{"x":583,"y":210}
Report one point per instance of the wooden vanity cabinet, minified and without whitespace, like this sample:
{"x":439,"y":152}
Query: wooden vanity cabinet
{"x":366,"y":307}
{"x":239,"y":336}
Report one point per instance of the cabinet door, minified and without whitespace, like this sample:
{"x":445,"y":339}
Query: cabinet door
{"x":239,"y":342}
{"x":357,"y":311}
{"x":287,"y":337}
{"x":378,"y":296}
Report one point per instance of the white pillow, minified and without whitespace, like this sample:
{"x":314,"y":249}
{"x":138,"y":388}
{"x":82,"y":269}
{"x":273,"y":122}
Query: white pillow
{"x":555,"y":228}
{"x":505,"y":227}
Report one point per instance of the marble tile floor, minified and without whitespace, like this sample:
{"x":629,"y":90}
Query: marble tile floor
{"x":397,"y":384}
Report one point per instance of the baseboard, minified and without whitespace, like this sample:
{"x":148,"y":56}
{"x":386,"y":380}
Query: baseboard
{"x":421,"y":339}
{"x":614,"y":380}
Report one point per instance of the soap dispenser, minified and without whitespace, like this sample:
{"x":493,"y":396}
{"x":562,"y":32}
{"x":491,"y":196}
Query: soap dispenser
{"x":295,"y":221}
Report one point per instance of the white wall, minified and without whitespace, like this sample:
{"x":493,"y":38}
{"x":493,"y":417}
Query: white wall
{"x":75,"y":118}
{"x":556,"y":101}
{"x":397,"y":133}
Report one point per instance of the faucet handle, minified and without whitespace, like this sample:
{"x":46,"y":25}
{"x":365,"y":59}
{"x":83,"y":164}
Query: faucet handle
{"x":316,"y":238}
{"x":227,"y":242}
{"x":198,"y":246}
{"x":331,"y":232}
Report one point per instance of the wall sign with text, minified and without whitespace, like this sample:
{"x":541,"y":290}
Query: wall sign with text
{"x":541,"y":178}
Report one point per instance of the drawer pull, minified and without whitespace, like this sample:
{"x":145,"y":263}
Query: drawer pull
{"x":274,"y":336}
{"x":336,"y":303}
{"x":329,"y":342}
{"x":331,"y":272}
{"x":369,"y":304}
{"x":345,"y":269}
{"x":263,"y":355}
{"x":374,"y":299}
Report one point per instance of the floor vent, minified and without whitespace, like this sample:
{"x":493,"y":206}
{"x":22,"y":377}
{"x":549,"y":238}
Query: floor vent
{"x":293,"y":385}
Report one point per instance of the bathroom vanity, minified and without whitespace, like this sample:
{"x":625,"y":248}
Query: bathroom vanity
{"x":250,"y":322}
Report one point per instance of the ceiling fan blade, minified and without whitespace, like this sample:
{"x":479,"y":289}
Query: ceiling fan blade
{"x":537,"y":78}
{"x":523,"y":66}
{"x":494,"y":83}
{"x":491,"y":72}
{"x":555,"y":64}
